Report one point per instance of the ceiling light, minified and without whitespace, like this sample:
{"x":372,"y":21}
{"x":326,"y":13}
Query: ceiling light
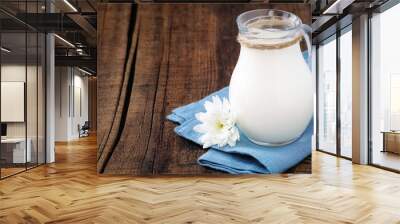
{"x":5,"y":50}
{"x":79,"y":51}
{"x":333,"y":6}
{"x":338,"y":6}
{"x":70,"y":5}
{"x":65,"y":41}
{"x":84,"y":71}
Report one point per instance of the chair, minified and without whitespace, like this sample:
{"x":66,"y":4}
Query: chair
{"x":84,"y":130}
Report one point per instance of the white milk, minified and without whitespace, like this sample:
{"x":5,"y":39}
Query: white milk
{"x":271,"y":92}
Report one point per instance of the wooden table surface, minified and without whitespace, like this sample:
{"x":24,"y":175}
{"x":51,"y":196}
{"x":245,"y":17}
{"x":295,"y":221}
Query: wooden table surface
{"x":152,"y":59}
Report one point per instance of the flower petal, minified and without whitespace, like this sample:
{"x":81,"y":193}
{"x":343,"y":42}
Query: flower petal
{"x":217,"y":124}
{"x":201,"y":116}
{"x":200,"y":128}
{"x":209,"y":106}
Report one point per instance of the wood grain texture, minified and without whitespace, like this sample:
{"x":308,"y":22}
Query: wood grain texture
{"x":112,"y":53}
{"x":70,"y":191}
{"x":169,"y":55}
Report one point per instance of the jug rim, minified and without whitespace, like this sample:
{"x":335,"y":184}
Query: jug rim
{"x":292,"y":20}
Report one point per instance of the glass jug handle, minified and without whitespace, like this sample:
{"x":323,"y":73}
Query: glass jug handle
{"x":305,"y":29}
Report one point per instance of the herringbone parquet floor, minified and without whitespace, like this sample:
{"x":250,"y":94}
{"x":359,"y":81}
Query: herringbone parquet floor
{"x":70,"y":191}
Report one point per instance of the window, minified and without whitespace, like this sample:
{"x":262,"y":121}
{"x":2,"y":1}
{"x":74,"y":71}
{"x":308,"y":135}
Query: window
{"x":334,"y":106}
{"x":327,"y":96}
{"x":385,"y":89}
{"x":346,"y":93}
{"x":394,"y":102}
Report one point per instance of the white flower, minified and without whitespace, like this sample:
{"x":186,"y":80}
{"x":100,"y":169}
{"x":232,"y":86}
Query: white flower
{"x":217,"y":124}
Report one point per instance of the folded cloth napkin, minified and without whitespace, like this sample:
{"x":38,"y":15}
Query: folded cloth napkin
{"x":245,"y":157}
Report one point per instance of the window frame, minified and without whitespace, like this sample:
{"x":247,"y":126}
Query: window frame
{"x":335,"y":36}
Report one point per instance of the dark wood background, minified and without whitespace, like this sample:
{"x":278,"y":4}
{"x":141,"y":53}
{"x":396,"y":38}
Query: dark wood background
{"x":152,"y":59}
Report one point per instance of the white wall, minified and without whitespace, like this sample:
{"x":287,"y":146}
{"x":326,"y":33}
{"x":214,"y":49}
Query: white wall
{"x":17,"y":72}
{"x":81,"y":84}
{"x":33,"y":127}
{"x":70,"y":109}
{"x":14,"y":72}
{"x":62,"y":81}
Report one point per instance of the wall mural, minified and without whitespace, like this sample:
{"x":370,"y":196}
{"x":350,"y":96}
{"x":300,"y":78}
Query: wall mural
{"x":159,"y":64}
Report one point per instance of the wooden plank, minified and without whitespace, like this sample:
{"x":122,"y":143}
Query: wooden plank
{"x":184,"y":52}
{"x":112,"y":56}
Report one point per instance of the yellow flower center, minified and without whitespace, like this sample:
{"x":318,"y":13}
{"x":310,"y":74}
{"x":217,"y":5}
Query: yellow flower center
{"x":219,"y":125}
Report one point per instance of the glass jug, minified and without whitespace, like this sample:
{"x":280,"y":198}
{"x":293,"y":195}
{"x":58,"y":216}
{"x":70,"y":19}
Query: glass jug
{"x":271,"y":88}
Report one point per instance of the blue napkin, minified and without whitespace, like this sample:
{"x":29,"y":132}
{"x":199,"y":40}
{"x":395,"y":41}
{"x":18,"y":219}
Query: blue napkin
{"x":245,"y":157}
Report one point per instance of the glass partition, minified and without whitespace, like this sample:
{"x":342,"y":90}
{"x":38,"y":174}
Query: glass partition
{"x":15,"y":151}
{"x":22,"y":88}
